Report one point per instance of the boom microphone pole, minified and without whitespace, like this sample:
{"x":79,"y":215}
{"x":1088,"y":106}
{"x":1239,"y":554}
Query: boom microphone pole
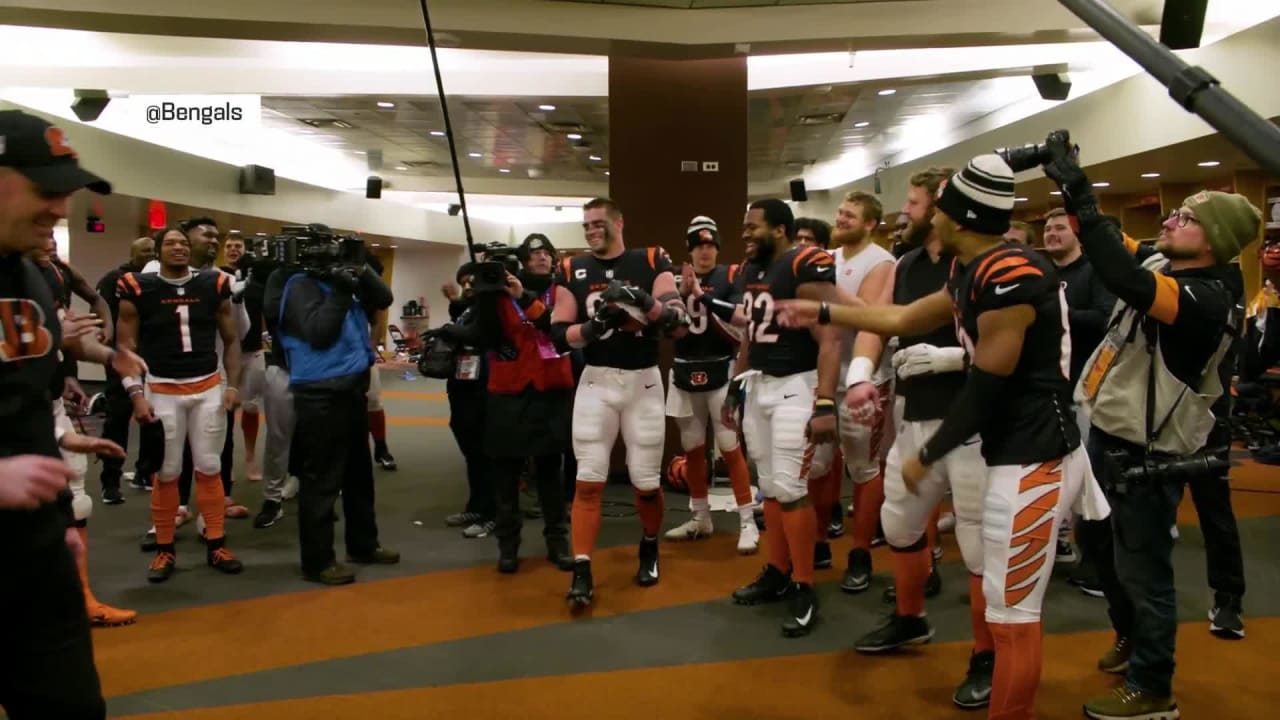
{"x":1192,"y":87}
{"x":448,"y":130}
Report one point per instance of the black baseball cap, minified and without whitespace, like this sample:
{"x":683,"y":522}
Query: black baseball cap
{"x":40,"y":151}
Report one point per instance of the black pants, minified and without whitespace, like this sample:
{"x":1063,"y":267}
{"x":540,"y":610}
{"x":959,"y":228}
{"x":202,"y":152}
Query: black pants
{"x":46,"y":651}
{"x":481,"y":491}
{"x":119,"y":413}
{"x":506,"y":473}
{"x":331,"y":441}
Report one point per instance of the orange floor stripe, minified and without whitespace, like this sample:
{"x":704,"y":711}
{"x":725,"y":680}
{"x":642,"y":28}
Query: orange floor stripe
{"x":1214,"y":678}
{"x":417,"y":420}
{"x":390,"y":614}
{"x":411,"y":395}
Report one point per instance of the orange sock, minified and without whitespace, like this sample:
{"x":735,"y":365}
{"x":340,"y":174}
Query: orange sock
{"x":696,"y":472}
{"x":867,"y":499}
{"x":775,"y":536}
{"x":164,"y":507}
{"x":82,"y":564}
{"x":739,"y":476}
{"x":1017,"y":672}
{"x":910,"y":572}
{"x":982,"y":640}
{"x":798,"y":524}
{"x":249,"y":423}
{"x":931,"y":530}
{"x":650,"y":506}
{"x":585,"y":517}
{"x":212,"y":503}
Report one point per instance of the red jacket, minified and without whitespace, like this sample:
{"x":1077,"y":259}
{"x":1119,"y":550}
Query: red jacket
{"x":511,"y":377}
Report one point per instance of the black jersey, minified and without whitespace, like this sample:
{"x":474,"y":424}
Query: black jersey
{"x":587,"y":276}
{"x":917,"y":275}
{"x":702,"y":356}
{"x":254,"y":295}
{"x":773,"y":349}
{"x":1032,"y":421}
{"x":177,"y":321}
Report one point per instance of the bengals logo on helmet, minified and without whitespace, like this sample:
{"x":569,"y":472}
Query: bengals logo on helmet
{"x":58,"y":145}
{"x":24,"y":334}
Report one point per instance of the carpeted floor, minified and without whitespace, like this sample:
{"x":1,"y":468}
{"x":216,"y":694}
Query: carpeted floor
{"x":443,"y":635}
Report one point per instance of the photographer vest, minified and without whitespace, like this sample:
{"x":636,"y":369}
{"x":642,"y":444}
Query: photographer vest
{"x":1127,"y":390}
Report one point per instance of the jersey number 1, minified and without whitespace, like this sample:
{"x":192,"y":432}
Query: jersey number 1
{"x":184,"y":326}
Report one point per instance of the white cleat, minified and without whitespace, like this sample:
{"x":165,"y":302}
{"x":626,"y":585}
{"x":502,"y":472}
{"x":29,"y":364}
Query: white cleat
{"x":696,"y":528}
{"x":748,"y":538}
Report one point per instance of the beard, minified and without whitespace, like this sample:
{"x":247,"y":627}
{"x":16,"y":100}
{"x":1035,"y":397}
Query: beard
{"x":916,"y":233}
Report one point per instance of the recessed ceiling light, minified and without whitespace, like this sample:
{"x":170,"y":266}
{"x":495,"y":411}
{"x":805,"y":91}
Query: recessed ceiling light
{"x":1210,"y":163}
{"x":358,"y":152}
{"x":393,"y":247}
{"x":377,"y":245}
{"x":606,"y":172}
{"x":401,"y":167}
{"x":593,"y":157}
{"x":1055,"y":192}
{"x":474,"y":155}
{"x":547,"y":108}
{"x":306,"y":132}
{"x":385,"y":104}
{"x":438,"y":133}
{"x":574,"y":136}
{"x":504,"y":170}
{"x":1102,"y":184}
{"x":1019,"y":199}
{"x":1150,"y":175}
{"x":887,"y":91}
{"x":861,"y":124}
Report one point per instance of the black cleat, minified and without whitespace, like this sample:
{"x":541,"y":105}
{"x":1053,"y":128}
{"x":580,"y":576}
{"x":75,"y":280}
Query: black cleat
{"x":647,"y":575}
{"x":220,"y":558}
{"x":508,"y":561}
{"x":822,"y":555}
{"x":804,"y":611}
{"x":581,"y":588}
{"x":857,"y":577}
{"x":383,"y":458}
{"x":162,"y":567}
{"x":975,"y":691}
{"x":771,"y":586}
{"x":897,"y":632}
{"x":1224,"y":619}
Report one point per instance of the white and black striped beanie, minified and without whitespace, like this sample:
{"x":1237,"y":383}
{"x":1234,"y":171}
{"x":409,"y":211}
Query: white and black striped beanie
{"x":702,"y":229}
{"x":980,"y":197}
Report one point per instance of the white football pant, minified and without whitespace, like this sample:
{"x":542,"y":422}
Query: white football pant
{"x":692,"y":410}
{"x":253,"y":380}
{"x":198,"y":418}
{"x":81,"y":503}
{"x":774,"y":420}
{"x":609,"y":400}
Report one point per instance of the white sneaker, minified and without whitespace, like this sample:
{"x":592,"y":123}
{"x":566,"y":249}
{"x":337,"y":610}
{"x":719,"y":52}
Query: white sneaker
{"x":748,"y":538}
{"x":696,"y":528}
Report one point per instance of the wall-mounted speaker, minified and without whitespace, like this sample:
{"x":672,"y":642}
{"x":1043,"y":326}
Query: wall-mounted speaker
{"x":373,"y":187}
{"x":1053,"y":86}
{"x":257,"y":180}
{"x":454,"y":209}
{"x":798,"y":193}
{"x":1182,"y":23}
{"x":89,"y":104}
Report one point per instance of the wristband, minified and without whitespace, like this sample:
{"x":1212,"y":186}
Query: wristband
{"x":135,"y":392}
{"x":130,"y":383}
{"x":824,"y":314}
{"x":860,"y":371}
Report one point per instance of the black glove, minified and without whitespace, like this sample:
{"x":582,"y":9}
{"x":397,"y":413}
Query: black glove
{"x":605,"y":319}
{"x":343,"y":279}
{"x":672,"y":319}
{"x":1077,"y":192}
{"x":734,"y":397}
{"x":619,"y":293}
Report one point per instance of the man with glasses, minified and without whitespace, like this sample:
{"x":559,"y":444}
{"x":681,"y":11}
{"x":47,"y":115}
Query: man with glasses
{"x":1154,"y":390}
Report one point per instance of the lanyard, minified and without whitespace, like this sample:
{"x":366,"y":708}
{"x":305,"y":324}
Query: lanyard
{"x":546,"y":300}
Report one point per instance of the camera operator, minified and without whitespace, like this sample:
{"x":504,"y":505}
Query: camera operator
{"x":529,"y":393}
{"x":1154,"y":391}
{"x":323,"y":309}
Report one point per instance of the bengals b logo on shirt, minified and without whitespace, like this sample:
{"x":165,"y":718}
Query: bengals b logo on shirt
{"x":23,"y":335}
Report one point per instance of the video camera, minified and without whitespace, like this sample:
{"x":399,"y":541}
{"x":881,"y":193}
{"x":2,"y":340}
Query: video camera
{"x":1130,"y":468}
{"x":489,"y":275}
{"x":314,"y":247}
{"x":1056,"y":145}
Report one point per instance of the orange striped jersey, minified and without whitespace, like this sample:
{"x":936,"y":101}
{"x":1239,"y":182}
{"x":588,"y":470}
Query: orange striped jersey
{"x":1032,"y":421}
{"x":587,"y":276}
{"x":773,"y":349}
{"x":177,"y":320}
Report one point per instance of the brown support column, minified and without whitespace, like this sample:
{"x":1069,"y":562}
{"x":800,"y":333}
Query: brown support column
{"x":663,"y":113}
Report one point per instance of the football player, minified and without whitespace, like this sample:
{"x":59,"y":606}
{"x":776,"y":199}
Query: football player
{"x":251,"y":291}
{"x":863,"y":270}
{"x":930,"y":372}
{"x":787,"y":380}
{"x":612,"y":302}
{"x":1011,"y":319}
{"x":700,"y":379}
{"x":173,"y":318}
